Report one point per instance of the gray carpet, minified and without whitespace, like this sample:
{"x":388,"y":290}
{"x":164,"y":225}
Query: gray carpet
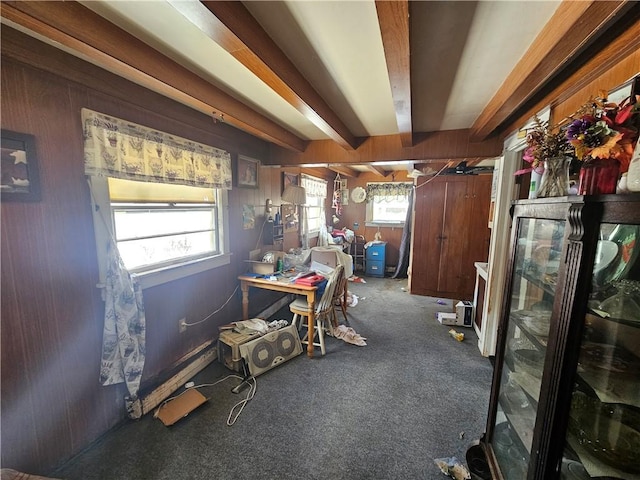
{"x":383,"y":411}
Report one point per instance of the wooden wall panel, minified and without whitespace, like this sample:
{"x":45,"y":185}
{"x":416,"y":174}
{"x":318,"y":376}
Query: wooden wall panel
{"x":356,"y":213}
{"x":52,"y":314}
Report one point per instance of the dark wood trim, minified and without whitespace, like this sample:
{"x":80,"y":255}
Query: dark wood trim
{"x":344,"y":171}
{"x":443,"y":145}
{"x":378,"y":171}
{"x":232,"y":26}
{"x":393,"y":17}
{"x":571,"y":28}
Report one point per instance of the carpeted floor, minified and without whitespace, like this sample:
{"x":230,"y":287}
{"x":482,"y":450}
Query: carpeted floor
{"x":382,"y":411}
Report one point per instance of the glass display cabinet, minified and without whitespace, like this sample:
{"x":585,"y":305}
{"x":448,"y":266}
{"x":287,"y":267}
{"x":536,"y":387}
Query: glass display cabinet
{"x":565,"y":397}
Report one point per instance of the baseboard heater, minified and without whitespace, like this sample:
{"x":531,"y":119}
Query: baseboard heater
{"x":204,"y":355}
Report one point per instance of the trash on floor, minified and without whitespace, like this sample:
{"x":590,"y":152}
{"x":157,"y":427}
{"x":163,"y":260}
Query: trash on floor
{"x":180,"y":406}
{"x":458,"y":336}
{"x":447,"y":318}
{"x":352,"y":299}
{"x":348,"y":334}
{"x":453,"y":468}
{"x":356,"y":279}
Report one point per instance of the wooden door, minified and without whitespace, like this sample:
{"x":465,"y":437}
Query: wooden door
{"x":455,"y":236}
{"x":450,"y":233}
{"x":427,"y":232}
{"x":479,"y":234}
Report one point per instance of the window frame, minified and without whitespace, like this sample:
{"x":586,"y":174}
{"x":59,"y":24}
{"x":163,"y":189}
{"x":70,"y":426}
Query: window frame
{"x":322,"y":206}
{"x":370,"y":222}
{"x":156,"y":275}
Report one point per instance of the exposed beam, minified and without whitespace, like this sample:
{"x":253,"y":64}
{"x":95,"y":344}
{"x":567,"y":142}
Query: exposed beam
{"x":393,"y":17}
{"x":344,"y":171}
{"x":379,"y":171}
{"x":572,"y":26}
{"x":232,"y":26}
{"x":79,"y":31}
{"x":443,"y":145}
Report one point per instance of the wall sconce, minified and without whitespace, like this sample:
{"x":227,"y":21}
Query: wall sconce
{"x":268,"y":206}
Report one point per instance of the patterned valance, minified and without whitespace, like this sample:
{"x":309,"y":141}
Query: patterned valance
{"x":314,"y":186}
{"x":388,"y":191}
{"x":121,"y":149}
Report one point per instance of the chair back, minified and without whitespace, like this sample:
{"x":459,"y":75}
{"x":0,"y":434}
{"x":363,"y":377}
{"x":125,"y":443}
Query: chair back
{"x":326,"y":301}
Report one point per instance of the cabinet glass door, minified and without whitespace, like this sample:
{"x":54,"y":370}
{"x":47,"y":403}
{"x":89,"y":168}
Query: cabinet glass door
{"x":534,"y":279}
{"x":603,"y":435}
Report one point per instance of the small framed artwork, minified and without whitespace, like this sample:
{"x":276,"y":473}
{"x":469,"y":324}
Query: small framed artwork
{"x":247,"y":172}
{"x":19,"y":168}
{"x":248,"y":217}
{"x":289,"y":179}
{"x":289,"y":217}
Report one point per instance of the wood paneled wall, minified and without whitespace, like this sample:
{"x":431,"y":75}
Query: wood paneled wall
{"x":52,"y":403}
{"x":52,"y":313}
{"x":356,"y":213}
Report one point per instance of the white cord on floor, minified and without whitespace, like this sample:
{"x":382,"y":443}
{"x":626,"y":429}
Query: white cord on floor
{"x":231,"y":419}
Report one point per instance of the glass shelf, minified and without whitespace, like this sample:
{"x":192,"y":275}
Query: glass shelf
{"x":604,"y":417}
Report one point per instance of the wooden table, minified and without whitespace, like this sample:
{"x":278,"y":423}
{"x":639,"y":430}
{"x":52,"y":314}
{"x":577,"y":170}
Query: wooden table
{"x":281,"y":285}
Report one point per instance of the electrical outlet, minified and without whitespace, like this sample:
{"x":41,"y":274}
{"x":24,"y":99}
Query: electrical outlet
{"x":182,"y":325}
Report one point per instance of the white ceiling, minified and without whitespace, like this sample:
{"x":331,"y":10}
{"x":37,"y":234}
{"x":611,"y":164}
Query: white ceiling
{"x":384,"y":80}
{"x":338,"y":48}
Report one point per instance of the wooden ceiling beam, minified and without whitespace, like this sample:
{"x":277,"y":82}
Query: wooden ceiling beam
{"x":344,"y":171}
{"x":572,"y":26}
{"x":443,"y":145}
{"x":393,"y":17}
{"x":79,"y":31}
{"x":232,"y":26}
{"x":379,"y":171}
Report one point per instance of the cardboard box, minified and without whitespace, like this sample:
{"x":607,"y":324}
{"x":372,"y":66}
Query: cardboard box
{"x":464,"y":311}
{"x":229,"y":348}
{"x":172,"y":411}
{"x":265,"y":268}
{"x":447,"y":318}
{"x":327,"y":257}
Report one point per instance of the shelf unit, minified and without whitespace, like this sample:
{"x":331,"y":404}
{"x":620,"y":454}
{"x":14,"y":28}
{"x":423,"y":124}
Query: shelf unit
{"x":565,"y":397}
{"x":274,"y":232}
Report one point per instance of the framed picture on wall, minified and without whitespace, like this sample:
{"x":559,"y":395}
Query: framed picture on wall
{"x":290,"y":219}
{"x":247,"y":172}
{"x":248,"y":217}
{"x":19,"y":168}
{"x":289,"y":179}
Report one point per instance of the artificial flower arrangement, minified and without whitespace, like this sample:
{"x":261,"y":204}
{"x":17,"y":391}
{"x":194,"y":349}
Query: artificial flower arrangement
{"x":605,"y":130}
{"x":544,"y":142}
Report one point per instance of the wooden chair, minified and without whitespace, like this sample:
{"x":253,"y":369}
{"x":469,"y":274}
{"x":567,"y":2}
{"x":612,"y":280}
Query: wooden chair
{"x":340,"y":299}
{"x":324,"y":310}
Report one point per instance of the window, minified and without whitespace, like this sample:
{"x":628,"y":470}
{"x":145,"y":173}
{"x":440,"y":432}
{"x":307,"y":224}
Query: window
{"x":316,"y":190}
{"x":387,"y":203}
{"x":163,"y":232}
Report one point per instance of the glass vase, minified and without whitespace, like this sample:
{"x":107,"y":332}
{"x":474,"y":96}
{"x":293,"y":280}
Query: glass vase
{"x":555,"y":179}
{"x":599,"y":176}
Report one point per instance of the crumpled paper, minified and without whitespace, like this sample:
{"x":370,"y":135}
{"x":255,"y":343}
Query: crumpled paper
{"x":453,"y":468}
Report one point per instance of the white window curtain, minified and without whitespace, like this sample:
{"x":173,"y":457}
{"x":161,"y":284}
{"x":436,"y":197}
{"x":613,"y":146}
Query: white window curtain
{"x":316,"y":188}
{"x":116,"y":148}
